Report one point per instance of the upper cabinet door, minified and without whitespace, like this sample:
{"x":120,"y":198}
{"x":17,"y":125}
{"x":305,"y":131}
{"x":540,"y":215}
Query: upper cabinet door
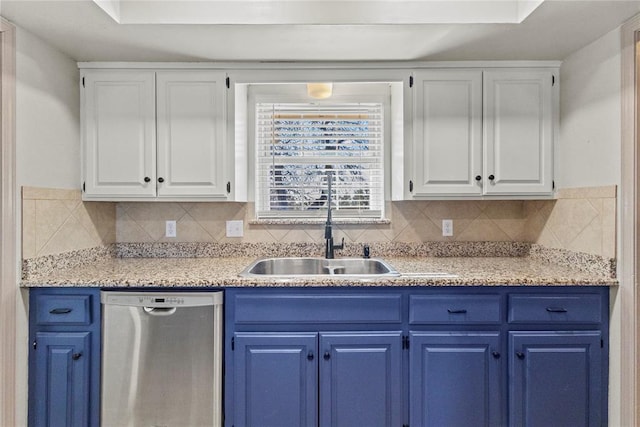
{"x":518,"y":131}
{"x":119,"y":133}
{"x":447,"y":141}
{"x":191,"y":139}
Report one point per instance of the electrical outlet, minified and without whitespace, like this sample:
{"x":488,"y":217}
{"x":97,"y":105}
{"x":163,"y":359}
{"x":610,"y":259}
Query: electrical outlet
{"x":447,"y":227}
{"x":235,"y":228}
{"x":170,"y":229}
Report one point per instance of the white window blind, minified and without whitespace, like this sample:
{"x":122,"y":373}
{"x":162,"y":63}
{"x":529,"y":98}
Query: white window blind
{"x":299,"y":145}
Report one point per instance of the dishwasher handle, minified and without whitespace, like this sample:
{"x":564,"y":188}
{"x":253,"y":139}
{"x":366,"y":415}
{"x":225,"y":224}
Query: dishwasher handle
{"x":160,"y":311}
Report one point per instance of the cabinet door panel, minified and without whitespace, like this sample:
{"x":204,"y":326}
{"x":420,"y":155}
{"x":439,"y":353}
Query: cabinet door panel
{"x":447,"y":132}
{"x":276,"y":379}
{"x":455,"y":379}
{"x":119,"y":133}
{"x":361,"y":379}
{"x":556,"y":379}
{"x":518,"y":126}
{"x":61,"y":379}
{"x":191,"y":120}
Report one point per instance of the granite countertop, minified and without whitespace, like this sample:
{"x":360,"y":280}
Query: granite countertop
{"x":224,"y":271}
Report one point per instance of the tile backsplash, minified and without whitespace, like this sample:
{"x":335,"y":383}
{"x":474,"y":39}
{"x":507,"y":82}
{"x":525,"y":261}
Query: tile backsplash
{"x":55,"y":221}
{"x":582,"y":220}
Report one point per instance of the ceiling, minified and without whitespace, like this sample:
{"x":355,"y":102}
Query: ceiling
{"x":85,"y":32}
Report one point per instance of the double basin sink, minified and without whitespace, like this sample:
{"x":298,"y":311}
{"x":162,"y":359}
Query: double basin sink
{"x":300,"y":267}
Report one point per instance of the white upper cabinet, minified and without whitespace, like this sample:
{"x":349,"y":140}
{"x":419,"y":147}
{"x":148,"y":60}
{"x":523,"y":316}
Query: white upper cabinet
{"x":119,"y":133}
{"x":483,"y":133}
{"x":447,"y":128}
{"x":518,"y":131}
{"x":155,"y":135}
{"x":191,"y":137}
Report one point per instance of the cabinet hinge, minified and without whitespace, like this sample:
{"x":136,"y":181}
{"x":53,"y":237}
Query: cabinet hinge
{"x":228,"y":83}
{"x":405,"y":342}
{"x":233,"y":343}
{"x":410,"y":81}
{"x":35,"y":345}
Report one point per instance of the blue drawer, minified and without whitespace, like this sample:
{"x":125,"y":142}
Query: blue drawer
{"x":304,"y":308}
{"x":63,"y":309}
{"x":575,"y":308}
{"x":429,"y":309}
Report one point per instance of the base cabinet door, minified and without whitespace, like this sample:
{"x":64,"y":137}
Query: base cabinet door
{"x":454,"y":379}
{"x":61,"y":379}
{"x":276,"y":379}
{"x":361,"y":379}
{"x":555,"y":378}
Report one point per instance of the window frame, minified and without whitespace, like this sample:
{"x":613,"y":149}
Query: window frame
{"x":282,"y":92}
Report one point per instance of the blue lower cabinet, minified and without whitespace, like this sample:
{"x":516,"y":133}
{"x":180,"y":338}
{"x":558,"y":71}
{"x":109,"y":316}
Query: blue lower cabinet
{"x":62,"y":379}
{"x":555,"y":378}
{"x":276,"y":379}
{"x":302,"y":379}
{"x":455,"y":379}
{"x":361,"y":379}
{"x":64,"y":359}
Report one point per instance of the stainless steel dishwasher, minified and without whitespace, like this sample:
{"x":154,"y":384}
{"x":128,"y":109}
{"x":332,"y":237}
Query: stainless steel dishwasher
{"x":161,"y":359}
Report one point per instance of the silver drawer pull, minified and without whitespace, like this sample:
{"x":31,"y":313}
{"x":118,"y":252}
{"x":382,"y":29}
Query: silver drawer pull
{"x":556,"y":310}
{"x":462,"y":311}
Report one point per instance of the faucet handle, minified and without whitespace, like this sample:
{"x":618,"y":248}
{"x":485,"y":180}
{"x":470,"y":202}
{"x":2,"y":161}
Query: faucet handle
{"x":341,"y":245}
{"x":366,"y":251}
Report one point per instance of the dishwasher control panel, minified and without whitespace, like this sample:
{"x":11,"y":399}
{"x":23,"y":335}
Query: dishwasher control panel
{"x":161,"y":299}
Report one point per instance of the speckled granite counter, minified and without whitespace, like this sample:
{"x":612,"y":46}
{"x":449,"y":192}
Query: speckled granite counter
{"x":220,"y":272}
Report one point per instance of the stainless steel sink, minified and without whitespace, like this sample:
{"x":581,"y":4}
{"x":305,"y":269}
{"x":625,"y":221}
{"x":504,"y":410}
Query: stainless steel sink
{"x":296,"y":267}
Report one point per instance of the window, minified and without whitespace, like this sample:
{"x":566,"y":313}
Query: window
{"x":301,"y":145}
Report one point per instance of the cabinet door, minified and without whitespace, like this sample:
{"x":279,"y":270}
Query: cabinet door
{"x":455,"y":379}
{"x":447,"y":139}
{"x":361,"y":379}
{"x":518,"y":131}
{"x":555,"y":379}
{"x":192,"y":153}
{"x":119,"y":133}
{"x":276,"y":379}
{"x":61,"y":386}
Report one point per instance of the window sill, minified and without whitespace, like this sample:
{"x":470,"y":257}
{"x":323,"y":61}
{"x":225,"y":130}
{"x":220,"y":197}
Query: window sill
{"x":308,"y":221}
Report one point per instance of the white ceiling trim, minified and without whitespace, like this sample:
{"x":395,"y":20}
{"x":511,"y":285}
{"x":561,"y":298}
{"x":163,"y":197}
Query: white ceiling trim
{"x":111,"y":7}
{"x":317,"y":12}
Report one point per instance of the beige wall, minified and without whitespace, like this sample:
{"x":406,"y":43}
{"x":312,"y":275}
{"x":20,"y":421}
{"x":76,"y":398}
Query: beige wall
{"x":588,"y":151}
{"x":47,"y":115}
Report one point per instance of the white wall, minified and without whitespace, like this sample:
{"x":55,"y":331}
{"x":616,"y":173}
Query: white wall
{"x":47,"y":150}
{"x":47,"y":115}
{"x":588,"y":153}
